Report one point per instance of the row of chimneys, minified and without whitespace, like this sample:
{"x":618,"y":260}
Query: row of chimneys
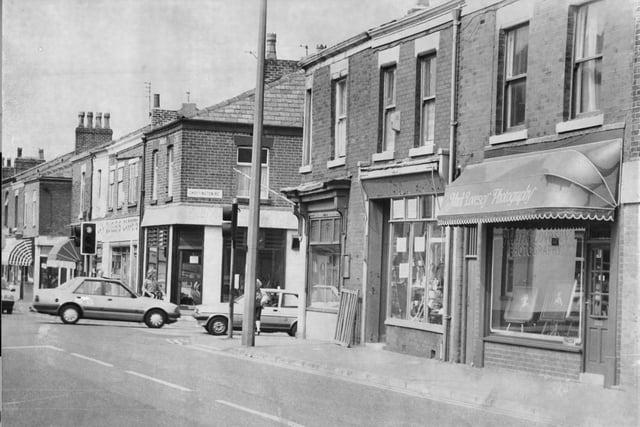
{"x":19,"y":156}
{"x":90,"y":122}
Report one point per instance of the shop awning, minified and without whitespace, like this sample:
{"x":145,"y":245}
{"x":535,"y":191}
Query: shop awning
{"x":64,"y":254}
{"x":17,"y":252}
{"x":579,"y":182}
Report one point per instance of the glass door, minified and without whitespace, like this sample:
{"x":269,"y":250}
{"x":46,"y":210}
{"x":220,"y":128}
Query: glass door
{"x":190,"y":276}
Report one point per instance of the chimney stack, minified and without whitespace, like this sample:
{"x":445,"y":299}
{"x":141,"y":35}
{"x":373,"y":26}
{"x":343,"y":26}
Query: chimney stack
{"x":89,"y":134}
{"x":106,"y":125}
{"x":41,"y":153}
{"x":156,"y":100}
{"x":320,"y":47}
{"x":98,"y":121}
{"x":81,"y":119}
{"x":19,"y":152}
{"x":89,"y":120}
{"x":271,"y":46}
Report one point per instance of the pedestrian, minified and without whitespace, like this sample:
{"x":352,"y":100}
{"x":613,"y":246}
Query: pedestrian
{"x":258,"y":305}
{"x":150,"y":287}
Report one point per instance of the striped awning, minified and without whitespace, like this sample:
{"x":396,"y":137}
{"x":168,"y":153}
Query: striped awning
{"x":578,"y":183}
{"x":20,"y":254}
{"x":64,"y":254}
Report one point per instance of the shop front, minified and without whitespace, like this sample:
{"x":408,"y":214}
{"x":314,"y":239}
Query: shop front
{"x":117,"y":250}
{"x":405,"y":286}
{"x":17,"y":260}
{"x":543,"y":228}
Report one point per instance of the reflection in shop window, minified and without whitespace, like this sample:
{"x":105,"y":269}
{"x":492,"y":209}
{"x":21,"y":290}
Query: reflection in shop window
{"x":416,"y":262}
{"x":324,"y":262}
{"x":537,"y":283}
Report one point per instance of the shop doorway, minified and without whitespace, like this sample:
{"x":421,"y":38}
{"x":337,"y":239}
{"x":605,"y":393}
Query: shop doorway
{"x":600,"y":300}
{"x":190,"y":276}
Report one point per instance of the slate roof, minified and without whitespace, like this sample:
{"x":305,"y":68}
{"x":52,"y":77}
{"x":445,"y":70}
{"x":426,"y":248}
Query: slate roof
{"x":283,"y":104}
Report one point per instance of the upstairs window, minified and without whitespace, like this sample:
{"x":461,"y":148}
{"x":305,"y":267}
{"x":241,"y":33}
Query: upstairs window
{"x":340,"y":117}
{"x":307,"y":130}
{"x":170,"y":171}
{"x":110,"y":195}
{"x":99,"y":182}
{"x":154,"y":173}
{"x":388,"y":109}
{"x":133,"y":182}
{"x":120,"y":186}
{"x":244,"y":173}
{"x":515,"y":76}
{"x":587,"y":58}
{"x":25,"y":211}
{"x":82,"y":191}
{"x":5,"y":216}
{"x":15,"y":210}
{"x":34,"y":214}
{"x":427,"y":93}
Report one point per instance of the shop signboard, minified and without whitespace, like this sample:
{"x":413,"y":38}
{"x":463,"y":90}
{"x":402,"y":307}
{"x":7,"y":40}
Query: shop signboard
{"x":204,"y":193}
{"x":120,"y":229}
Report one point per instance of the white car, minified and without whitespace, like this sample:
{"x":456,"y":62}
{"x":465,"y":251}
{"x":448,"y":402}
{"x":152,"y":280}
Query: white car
{"x":279,"y":314}
{"x":105,"y":299}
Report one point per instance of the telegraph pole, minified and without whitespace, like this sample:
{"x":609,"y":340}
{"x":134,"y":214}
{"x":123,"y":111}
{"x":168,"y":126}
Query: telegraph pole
{"x":248,"y":320}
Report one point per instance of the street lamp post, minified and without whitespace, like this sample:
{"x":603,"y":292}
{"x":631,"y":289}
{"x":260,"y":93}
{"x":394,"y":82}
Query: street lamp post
{"x":248,"y":320}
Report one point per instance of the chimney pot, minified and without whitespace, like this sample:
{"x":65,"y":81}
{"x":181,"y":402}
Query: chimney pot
{"x":81,"y":119}
{"x":41,"y":153}
{"x":19,"y":152}
{"x":98,"y":120}
{"x":271,"y":46}
{"x":156,"y":100}
{"x":8,"y":163}
{"x":89,"y":120}
{"x":320,"y":47}
{"x":106,"y":116}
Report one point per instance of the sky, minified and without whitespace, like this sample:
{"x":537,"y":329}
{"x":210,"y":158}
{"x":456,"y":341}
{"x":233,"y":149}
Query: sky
{"x":60,"y":57}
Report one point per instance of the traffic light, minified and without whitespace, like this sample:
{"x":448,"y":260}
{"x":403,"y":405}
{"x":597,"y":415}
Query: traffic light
{"x":88,"y":238}
{"x":229,"y":220}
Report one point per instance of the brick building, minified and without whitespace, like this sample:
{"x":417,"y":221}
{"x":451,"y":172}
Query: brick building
{"x":533,"y":174}
{"x":194,"y":165}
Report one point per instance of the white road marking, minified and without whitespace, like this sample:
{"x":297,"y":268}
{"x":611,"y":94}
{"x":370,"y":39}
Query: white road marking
{"x":261,"y":414}
{"x":92,"y":360}
{"x":158,"y":381}
{"x":21,"y":347}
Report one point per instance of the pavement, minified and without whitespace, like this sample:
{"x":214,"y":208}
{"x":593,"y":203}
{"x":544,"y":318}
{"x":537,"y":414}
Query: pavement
{"x":531,"y":398}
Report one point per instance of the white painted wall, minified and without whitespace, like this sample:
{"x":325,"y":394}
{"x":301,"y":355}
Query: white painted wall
{"x":212,"y":265}
{"x":99,"y":204}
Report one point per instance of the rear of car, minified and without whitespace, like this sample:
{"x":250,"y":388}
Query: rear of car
{"x":8,"y":299}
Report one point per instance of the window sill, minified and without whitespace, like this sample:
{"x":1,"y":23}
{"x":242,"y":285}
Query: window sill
{"x":243,"y":200}
{"x":580,"y":123}
{"x":415,"y":325}
{"x":511,"y":136}
{"x":304,"y":169}
{"x":119,"y":208}
{"x":380,"y":157}
{"x":153,"y":202}
{"x":132,"y":204}
{"x":340,"y":161}
{"x":528,"y":342}
{"x":168,"y":199}
{"x":422,"y":151}
{"x":323,"y":310}
{"x":110,"y":210}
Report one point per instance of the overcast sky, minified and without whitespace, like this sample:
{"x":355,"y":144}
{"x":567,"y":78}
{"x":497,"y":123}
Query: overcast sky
{"x":65,"y":56}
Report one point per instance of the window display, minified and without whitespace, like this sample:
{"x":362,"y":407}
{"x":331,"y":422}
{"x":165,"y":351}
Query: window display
{"x":416,"y":263}
{"x":324,"y":262}
{"x":537,"y":283}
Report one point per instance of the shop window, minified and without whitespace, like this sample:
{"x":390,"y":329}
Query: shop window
{"x":587,"y":58}
{"x":416,"y":262}
{"x":308,"y":126}
{"x":388,"y":114}
{"x":339,"y":118}
{"x":120,"y":263}
{"x":537,"y":283}
{"x":244,"y":173}
{"x":427,"y":94}
{"x":157,"y":252}
{"x":324,"y":262}
{"x":514,"y":76}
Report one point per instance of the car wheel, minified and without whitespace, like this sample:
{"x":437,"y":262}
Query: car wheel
{"x":69,"y":314}
{"x":217,"y":326}
{"x":293,"y":330}
{"x":155,"y":318}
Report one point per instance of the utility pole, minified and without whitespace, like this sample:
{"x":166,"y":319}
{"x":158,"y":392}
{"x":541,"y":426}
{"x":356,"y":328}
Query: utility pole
{"x":248,"y":320}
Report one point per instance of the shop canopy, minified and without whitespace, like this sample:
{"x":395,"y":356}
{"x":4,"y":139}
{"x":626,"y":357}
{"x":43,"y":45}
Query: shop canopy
{"x":64,"y":254}
{"x":578,"y":182}
{"x":17,"y":252}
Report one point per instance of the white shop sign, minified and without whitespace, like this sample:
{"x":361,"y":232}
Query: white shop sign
{"x":121,"y":229}
{"x":204,"y":193}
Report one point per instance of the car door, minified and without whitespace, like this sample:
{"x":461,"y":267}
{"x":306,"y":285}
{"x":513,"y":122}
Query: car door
{"x":271,"y":316}
{"x":89,"y":295}
{"x":121,"y":304}
{"x":289,"y":309}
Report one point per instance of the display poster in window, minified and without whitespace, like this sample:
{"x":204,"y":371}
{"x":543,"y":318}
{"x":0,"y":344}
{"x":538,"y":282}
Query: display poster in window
{"x":412,"y":208}
{"x":520,"y":308}
{"x":194,"y":259}
{"x":401,"y":244}
{"x":398,"y":208}
{"x":556,"y":303}
{"x":419,"y":244}
{"x":403,"y":270}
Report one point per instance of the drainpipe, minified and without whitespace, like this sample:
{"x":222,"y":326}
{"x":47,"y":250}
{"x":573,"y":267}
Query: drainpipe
{"x":446,"y":318}
{"x":141,"y":242}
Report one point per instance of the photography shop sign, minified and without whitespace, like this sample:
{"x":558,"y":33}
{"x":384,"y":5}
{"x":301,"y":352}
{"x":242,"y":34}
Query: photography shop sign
{"x":115,"y":230}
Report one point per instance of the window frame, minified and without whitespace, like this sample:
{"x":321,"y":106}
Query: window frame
{"x":509,"y":80}
{"x":170,"y":171}
{"x":430,"y":59}
{"x":133,"y":182}
{"x":335,"y":245}
{"x":99,"y":179}
{"x":83,"y":186}
{"x":307,"y":130}
{"x":264,"y":168}
{"x":340,"y":114}
{"x":388,"y":83}
{"x":154,"y":175}
{"x":120,"y":196}
{"x":111,"y":191}
{"x":5,"y":219}
{"x":33,"y":207}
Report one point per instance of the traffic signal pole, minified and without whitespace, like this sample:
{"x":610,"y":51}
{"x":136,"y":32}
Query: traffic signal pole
{"x":248,"y":319}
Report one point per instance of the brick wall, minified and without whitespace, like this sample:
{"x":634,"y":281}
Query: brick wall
{"x":88,"y":138}
{"x":556,"y":364}
{"x":54,"y":208}
{"x":276,"y":68}
{"x":75,"y":208}
{"x":129,"y":207}
{"x":161,"y":117}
